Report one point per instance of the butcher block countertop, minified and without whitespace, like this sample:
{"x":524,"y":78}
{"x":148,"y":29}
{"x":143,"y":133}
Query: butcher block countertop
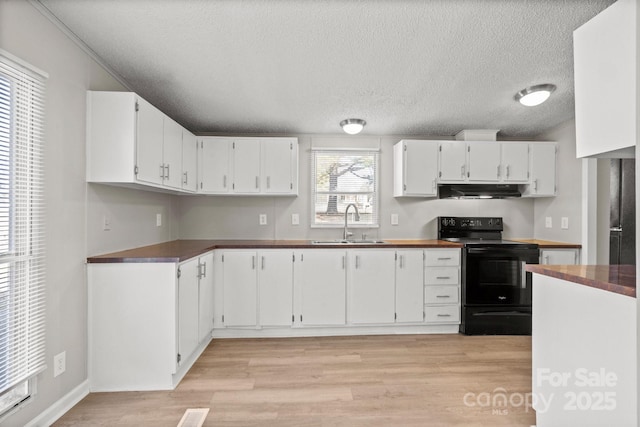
{"x":549,"y":244}
{"x":619,"y":279}
{"x":182,"y":250}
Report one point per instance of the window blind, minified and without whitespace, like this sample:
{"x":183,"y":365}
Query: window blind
{"x":22,"y":250}
{"x":341,"y":177}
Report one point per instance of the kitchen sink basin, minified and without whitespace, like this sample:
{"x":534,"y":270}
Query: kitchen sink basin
{"x":347,"y":242}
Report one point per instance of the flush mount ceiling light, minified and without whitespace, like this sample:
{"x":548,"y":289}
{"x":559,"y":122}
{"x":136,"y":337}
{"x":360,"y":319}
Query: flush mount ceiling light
{"x":352,"y":126}
{"x":535,"y":95}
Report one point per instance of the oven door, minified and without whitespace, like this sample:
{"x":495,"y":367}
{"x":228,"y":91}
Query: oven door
{"x":496,"y":276}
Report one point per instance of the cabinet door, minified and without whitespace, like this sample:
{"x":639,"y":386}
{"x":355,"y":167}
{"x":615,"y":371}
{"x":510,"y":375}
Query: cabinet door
{"x":275,"y":281}
{"x":372,"y":286}
{"x":321,"y":277}
{"x":189,"y":161}
{"x":213,"y":165}
{"x":515,"y":162}
{"x":453,"y":161}
{"x":240,"y":288}
{"x":484,"y":161}
{"x":205,"y":297}
{"x":188,"y":309}
{"x":543,"y":170}
{"x":419,"y":168}
{"x":246,"y":166}
{"x":409,"y":286}
{"x":172,"y":154}
{"x":149,"y":141}
{"x":278,"y":165}
{"x":559,"y":256}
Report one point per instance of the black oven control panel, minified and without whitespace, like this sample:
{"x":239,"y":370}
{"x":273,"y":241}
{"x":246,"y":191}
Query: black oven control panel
{"x":470,"y":223}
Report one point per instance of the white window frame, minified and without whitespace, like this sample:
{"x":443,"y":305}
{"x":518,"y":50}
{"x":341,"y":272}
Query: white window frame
{"x":375,"y":193}
{"x":22,"y":255}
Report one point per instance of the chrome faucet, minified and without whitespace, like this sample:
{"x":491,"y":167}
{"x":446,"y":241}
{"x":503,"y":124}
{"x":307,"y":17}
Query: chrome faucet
{"x":346,"y":233}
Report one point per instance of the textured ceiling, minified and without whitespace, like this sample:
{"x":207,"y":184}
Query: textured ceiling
{"x":284,"y":66}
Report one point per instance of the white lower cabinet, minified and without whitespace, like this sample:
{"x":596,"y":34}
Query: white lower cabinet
{"x":275,"y":288}
{"x":442,"y":286}
{"x":409,"y":286}
{"x":257,"y":288}
{"x":560,"y":256}
{"x":321,"y":283}
{"x":372,"y":286}
{"x":240,"y":288}
{"x":148,"y":322}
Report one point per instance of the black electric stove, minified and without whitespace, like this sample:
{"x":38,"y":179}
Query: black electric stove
{"x":496,"y":289}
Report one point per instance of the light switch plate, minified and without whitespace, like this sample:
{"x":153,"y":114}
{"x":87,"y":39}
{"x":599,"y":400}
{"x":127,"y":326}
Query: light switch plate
{"x":263,"y":219}
{"x":548,"y":222}
{"x":59,"y":363}
{"x":564,"y":223}
{"x":394,"y":219}
{"x":106,"y":223}
{"x":158,"y":220}
{"x":295,"y":219}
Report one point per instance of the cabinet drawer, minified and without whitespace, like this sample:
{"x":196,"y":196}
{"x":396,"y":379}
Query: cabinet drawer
{"x":442,"y":257}
{"x":442,"y":313}
{"x":441,"y":295}
{"x":441,"y":276}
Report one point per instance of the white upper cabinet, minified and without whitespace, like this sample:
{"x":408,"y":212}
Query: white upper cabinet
{"x":515,"y":162}
{"x":415,"y":166}
{"x":453,"y":161}
{"x":280,"y":165}
{"x":172,"y":154}
{"x":543,"y":170}
{"x":189,"y":161}
{"x":246,"y":166}
{"x":214,"y":165}
{"x":483,"y":164}
{"x":130,"y":142}
{"x":606,"y":81}
{"x":148,"y":142}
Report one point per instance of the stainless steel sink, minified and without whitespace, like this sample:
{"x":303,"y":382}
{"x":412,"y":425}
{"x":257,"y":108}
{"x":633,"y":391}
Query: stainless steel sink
{"x":347,"y":242}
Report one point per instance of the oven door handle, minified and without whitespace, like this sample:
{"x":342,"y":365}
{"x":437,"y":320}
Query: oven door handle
{"x":523,"y":275}
{"x":526,"y":255}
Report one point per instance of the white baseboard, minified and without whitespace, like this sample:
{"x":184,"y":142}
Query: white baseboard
{"x":59,"y":408}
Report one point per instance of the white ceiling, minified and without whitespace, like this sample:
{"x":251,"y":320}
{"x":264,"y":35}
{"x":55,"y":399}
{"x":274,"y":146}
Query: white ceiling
{"x":407,"y":67}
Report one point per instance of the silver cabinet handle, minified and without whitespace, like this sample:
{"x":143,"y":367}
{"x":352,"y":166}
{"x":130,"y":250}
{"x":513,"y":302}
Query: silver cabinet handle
{"x":268,"y":182}
{"x":443,"y":296}
{"x":444,"y":315}
{"x":257,"y":182}
{"x":162,"y":171}
{"x":443,"y":277}
{"x":343,"y":262}
{"x":401,"y":261}
{"x":507,"y":171}
{"x":535,"y":185}
{"x":204,"y":265}
{"x":444,"y":258}
{"x":186,"y":178}
{"x":262,"y":262}
{"x":224,"y":181}
{"x":253,"y":262}
{"x":168,"y":171}
{"x":498,"y":171}
{"x":357,"y":261}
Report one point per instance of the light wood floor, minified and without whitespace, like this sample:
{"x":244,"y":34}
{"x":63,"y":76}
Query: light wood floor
{"x":399,"y":380}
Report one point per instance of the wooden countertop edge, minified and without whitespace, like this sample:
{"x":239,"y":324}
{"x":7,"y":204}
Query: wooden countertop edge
{"x":619,"y":279}
{"x":182,"y":250}
{"x":549,"y":244}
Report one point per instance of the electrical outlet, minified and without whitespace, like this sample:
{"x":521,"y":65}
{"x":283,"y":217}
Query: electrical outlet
{"x":59,"y":363}
{"x":158,"y":220}
{"x":548,"y":222}
{"x":263,"y":219}
{"x":564,"y":223}
{"x":295,"y":219}
{"x":394,"y":219}
{"x":106,"y":223}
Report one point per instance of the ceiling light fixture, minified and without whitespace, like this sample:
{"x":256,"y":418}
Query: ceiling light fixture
{"x":535,"y":95}
{"x":352,"y":126}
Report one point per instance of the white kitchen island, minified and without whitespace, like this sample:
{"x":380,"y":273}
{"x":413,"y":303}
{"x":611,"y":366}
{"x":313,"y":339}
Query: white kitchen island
{"x":584,"y":345}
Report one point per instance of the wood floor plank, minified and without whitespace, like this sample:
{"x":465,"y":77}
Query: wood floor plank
{"x":369,"y":381}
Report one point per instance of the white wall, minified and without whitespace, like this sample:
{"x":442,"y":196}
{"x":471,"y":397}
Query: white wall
{"x":221,"y":217}
{"x":27,"y":34}
{"x":568,"y":202}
